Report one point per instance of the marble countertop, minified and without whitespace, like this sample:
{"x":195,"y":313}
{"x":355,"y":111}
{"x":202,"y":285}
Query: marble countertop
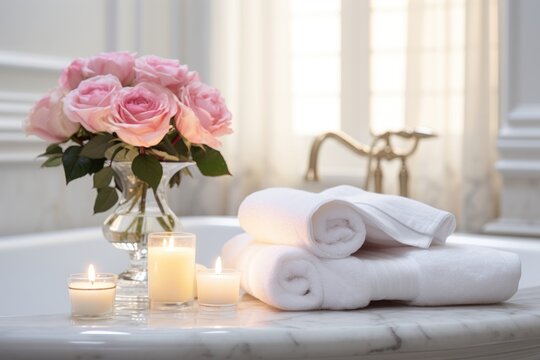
{"x":383,"y":330}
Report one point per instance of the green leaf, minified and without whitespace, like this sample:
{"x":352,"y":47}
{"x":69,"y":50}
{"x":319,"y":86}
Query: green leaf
{"x":111,"y":152}
{"x":106,"y":198}
{"x":97,"y":146}
{"x":75,"y":166}
{"x":148,"y":169}
{"x":167,"y":146}
{"x":209,"y":161}
{"x":96,"y":165}
{"x":53,"y":160}
{"x":103,"y":177}
{"x":126,"y":153}
{"x":53,"y":149}
{"x":130,"y":154}
{"x":182,"y":148}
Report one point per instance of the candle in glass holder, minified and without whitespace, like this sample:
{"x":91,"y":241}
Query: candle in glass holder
{"x":218,"y":287}
{"x":171,"y":269}
{"x":92,"y":295}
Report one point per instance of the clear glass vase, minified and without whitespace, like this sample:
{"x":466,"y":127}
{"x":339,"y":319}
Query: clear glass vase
{"x":140,"y":211}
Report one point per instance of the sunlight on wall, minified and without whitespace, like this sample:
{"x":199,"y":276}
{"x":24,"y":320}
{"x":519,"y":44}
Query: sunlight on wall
{"x":316,"y":65}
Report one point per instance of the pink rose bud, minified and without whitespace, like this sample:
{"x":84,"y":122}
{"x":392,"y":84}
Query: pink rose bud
{"x":72,"y":76}
{"x":204,"y":115}
{"x":90,"y":103}
{"x":165,"y":72}
{"x":141,"y":114}
{"x":119,"y":64}
{"x":47,"y":120}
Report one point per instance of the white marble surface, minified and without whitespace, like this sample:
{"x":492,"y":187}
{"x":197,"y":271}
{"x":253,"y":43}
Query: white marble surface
{"x":256,"y":331}
{"x":34,"y":320}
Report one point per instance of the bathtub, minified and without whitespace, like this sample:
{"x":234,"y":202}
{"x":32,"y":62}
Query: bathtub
{"x":34,"y":268}
{"x":35,"y":322}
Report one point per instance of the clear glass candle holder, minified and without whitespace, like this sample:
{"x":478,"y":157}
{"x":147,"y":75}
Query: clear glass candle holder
{"x":171,"y":270}
{"x":92,"y":299}
{"x":218,"y":289}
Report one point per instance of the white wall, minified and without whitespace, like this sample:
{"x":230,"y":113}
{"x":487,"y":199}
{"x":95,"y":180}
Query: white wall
{"x":38,"y":39}
{"x":519,"y":134}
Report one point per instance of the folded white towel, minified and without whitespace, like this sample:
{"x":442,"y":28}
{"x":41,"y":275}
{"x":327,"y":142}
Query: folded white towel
{"x":394,"y":220}
{"x":291,"y":278}
{"x":325,"y":226}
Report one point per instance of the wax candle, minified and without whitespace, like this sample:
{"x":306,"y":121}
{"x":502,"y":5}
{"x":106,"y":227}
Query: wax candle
{"x":171,"y":269}
{"x":92,"y":295}
{"x":218,"y":287}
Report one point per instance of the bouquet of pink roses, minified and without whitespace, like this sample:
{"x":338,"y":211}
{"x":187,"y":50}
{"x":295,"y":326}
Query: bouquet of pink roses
{"x":118,"y":107}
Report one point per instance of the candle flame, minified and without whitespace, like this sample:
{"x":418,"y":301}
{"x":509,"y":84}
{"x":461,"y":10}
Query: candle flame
{"x":218,"y":265}
{"x":91,"y":274}
{"x":171,"y":243}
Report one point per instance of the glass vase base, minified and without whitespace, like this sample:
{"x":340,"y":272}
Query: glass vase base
{"x":131,"y":295}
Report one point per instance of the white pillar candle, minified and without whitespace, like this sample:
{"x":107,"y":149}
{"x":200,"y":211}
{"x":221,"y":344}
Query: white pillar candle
{"x":171,"y":269}
{"x":218,"y":287}
{"x":92,"y":295}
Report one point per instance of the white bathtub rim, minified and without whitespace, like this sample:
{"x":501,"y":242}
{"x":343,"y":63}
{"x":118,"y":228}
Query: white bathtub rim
{"x":81,"y":235}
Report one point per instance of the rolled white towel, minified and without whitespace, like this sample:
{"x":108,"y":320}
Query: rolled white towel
{"x":291,"y":278}
{"x":325,"y":226}
{"x":445,"y":275}
{"x":394,"y":220}
{"x":464,"y":275}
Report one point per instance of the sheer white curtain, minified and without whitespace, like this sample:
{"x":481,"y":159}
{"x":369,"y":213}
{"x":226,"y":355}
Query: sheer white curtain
{"x":451,"y":87}
{"x":480,"y":182}
{"x":251,"y":65}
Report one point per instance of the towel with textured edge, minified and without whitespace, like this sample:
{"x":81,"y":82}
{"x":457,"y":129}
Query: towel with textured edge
{"x":394,"y":220}
{"x":291,"y":278}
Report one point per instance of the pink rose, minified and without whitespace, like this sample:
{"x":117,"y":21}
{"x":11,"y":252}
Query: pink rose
{"x":203,"y":116}
{"x":90,"y":103}
{"x":141,"y":114}
{"x":47,"y":120}
{"x":165,"y":72}
{"x":119,"y":64}
{"x":193,"y":76}
{"x":72,"y":75}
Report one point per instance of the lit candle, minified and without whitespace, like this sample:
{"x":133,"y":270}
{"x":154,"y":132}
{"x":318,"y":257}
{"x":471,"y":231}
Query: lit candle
{"x":171,"y":269}
{"x":218,"y":287}
{"x":92,"y":295}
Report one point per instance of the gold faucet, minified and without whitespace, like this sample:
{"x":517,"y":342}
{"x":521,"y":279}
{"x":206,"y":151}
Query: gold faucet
{"x":375,"y":152}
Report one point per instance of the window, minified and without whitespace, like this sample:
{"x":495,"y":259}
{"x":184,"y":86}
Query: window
{"x":396,"y":55}
{"x":388,"y":49}
{"x":417,"y":69}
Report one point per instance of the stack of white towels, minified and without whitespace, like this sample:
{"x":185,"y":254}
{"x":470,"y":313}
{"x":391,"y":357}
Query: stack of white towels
{"x":344,"y":247}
